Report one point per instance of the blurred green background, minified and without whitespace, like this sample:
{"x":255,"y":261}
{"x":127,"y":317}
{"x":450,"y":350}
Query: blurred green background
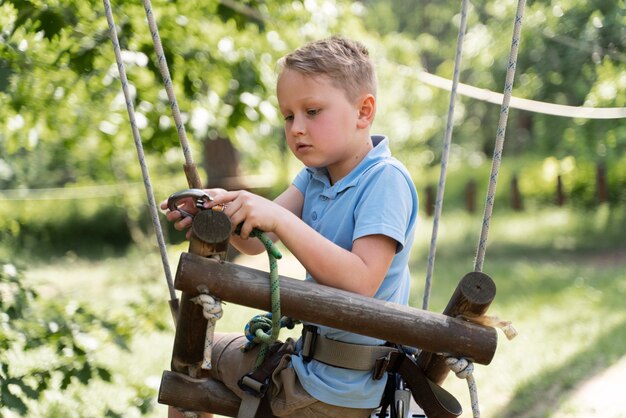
{"x":84,"y":324}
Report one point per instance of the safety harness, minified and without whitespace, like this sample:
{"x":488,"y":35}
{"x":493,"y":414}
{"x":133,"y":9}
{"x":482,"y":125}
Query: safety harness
{"x":406,"y":378}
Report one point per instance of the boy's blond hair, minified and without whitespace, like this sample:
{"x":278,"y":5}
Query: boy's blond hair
{"x":345,"y":62}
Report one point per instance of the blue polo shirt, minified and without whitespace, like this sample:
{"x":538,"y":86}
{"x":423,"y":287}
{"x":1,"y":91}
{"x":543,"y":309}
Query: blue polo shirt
{"x":376,"y":197}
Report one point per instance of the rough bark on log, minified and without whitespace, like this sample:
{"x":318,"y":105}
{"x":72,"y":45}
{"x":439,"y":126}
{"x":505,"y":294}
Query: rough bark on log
{"x":337,"y":308}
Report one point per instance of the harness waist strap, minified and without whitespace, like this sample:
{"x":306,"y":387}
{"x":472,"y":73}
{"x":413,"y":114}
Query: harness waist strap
{"x":346,"y":355}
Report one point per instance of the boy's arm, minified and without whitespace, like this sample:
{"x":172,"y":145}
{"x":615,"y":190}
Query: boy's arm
{"x":289,"y":201}
{"x":361,"y":270}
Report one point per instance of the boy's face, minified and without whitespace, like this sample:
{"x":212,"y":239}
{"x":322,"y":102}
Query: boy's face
{"x":321,"y":125}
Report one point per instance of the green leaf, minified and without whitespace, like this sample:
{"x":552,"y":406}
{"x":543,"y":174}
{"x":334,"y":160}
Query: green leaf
{"x":51,"y":23}
{"x":12,"y":402}
{"x":104,"y":374}
{"x":5,"y":76}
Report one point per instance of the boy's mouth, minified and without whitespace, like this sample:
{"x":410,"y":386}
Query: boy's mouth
{"x":302,"y":147}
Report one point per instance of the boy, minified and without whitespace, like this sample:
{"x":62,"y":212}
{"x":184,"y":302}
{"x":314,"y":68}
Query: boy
{"x":348,"y":217}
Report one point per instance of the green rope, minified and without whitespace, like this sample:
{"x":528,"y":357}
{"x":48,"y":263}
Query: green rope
{"x":264,"y":329}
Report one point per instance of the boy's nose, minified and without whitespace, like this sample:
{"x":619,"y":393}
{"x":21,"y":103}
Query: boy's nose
{"x":297,"y":127}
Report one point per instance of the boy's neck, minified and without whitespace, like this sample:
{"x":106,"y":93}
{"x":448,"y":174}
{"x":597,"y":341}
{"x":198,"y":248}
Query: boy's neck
{"x":363,"y":146}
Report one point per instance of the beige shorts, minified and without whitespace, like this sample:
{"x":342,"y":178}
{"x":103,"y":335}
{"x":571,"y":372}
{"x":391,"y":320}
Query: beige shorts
{"x":287,"y":397}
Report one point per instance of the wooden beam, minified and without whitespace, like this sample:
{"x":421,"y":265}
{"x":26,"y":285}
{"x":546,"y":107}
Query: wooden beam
{"x":191,"y":394}
{"x":324,"y":305}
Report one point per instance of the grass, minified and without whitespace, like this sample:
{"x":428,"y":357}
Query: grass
{"x":560,"y":275}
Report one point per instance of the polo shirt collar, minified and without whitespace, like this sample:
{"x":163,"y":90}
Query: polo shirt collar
{"x":376,"y":154}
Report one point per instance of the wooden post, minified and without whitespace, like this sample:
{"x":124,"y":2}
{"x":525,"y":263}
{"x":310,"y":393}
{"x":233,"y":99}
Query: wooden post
{"x":430,"y":200}
{"x":188,"y":350}
{"x":516,"y":195}
{"x":339,"y":309}
{"x":470,"y":196}
{"x":560,"y":193}
{"x":601,"y":184}
{"x":472,"y":297}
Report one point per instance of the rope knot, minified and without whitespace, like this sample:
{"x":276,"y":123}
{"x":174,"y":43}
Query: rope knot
{"x":211,"y":307}
{"x":460,"y":366}
{"x":212,"y":311}
{"x":258,"y":331}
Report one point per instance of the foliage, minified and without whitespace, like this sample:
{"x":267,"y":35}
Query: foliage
{"x":47,"y":346}
{"x":570,"y":54}
{"x":65,"y":119}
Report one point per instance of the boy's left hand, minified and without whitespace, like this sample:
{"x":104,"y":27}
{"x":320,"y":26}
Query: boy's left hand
{"x":248,"y":209}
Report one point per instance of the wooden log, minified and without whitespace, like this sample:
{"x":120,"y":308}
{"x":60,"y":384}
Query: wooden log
{"x":339,"y":309}
{"x":191,"y":394}
{"x":206,"y":395}
{"x":472,"y":297}
{"x":188,"y":350}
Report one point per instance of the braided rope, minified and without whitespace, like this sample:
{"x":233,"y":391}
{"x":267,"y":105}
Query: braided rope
{"x":497,"y":153}
{"x":154,"y":214}
{"x":167,"y":81}
{"x":464,"y":369}
{"x":445,"y":155}
{"x":264,"y":329}
{"x":212,"y":311}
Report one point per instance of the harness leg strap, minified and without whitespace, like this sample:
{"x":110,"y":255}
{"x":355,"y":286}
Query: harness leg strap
{"x":432,"y":398}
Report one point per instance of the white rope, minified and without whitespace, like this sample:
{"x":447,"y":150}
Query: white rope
{"x":445,"y":155}
{"x":167,"y":81}
{"x":212,"y":311}
{"x":535,"y":106}
{"x":464,"y":369}
{"x":154,"y":213}
{"x":497,"y":153}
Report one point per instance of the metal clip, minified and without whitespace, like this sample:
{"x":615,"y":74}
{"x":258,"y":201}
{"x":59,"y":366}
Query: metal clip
{"x":199,"y":196}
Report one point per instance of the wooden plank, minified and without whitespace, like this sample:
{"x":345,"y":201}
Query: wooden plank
{"x":324,"y":305}
{"x":191,"y":394}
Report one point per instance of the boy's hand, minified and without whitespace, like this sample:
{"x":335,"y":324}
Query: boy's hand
{"x":248,"y":209}
{"x":187,"y":205}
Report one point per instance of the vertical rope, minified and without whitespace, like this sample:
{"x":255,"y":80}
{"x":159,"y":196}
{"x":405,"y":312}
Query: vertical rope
{"x":192,"y":175}
{"x":154,"y":214}
{"x":445,"y":155}
{"x":497,"y":153}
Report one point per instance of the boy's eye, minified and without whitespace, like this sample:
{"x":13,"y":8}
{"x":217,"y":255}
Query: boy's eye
{"x":288,"y":118}
{"x":312,"y":112}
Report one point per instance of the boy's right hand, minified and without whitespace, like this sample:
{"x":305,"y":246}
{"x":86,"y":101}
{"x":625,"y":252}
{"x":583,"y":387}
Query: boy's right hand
{"x":187,"y":205}
{"x":180,"y":223}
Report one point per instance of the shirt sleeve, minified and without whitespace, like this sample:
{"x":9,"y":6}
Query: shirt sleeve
{"x":386,"y":206}
{"x":301,"y":181}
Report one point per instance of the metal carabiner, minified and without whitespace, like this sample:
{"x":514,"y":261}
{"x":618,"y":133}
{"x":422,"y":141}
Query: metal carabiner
{"x":199,"y":196}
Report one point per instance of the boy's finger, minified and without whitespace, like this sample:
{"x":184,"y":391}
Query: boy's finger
{"x":221,"y":198}
{"x":173,"y":215}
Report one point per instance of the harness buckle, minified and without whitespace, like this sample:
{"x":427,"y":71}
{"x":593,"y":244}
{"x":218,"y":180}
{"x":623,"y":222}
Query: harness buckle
{"x":380,"y":367}
{"x":309,"y":338}
{"x":252,"y":386}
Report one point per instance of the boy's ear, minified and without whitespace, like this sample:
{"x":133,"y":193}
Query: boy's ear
{"x":367,"y":110}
